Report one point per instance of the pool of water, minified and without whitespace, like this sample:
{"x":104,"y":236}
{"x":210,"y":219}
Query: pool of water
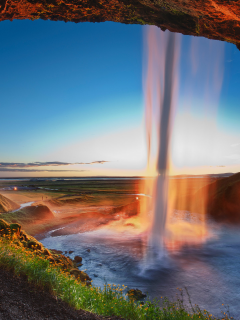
{"x":210,"y":271}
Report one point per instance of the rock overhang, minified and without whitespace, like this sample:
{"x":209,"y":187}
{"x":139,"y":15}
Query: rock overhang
{"x":213,"y":19}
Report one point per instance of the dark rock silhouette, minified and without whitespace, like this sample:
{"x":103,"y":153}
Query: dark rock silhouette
{"x":77,"y":259}
{"x":223,"y":203}
{"x":214,"y":19}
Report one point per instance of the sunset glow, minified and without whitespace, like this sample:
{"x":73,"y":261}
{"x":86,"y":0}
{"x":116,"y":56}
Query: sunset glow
{"x":95,"y":111}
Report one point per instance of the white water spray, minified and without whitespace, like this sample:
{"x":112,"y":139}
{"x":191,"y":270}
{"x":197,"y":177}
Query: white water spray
{"x":160,"y":91}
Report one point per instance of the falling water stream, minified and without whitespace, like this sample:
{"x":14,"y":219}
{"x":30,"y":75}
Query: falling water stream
{"x":161,"y":184}
{"x":160,"y":91}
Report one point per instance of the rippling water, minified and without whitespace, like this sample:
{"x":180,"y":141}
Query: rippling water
{"x":210,"y":271}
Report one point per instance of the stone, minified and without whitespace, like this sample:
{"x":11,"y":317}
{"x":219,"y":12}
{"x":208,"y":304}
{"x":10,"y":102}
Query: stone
{"x":79,"y":264}
{"x":35,"y":245}
{"x":56,"y":251}
{"x":78,"y":259}
{"x":46,"y":252}
{"x":70,"y":252}
{"x":135,"y":294}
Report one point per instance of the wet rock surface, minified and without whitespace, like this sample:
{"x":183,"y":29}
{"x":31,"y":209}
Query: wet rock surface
{"x":214,"y":19}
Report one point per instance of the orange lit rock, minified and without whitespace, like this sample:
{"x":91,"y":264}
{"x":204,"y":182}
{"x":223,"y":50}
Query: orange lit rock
{"x":219,"y":19}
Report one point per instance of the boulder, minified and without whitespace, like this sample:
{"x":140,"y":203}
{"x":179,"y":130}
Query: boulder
{"x":78,"y":259}
{"x":135,"y":294}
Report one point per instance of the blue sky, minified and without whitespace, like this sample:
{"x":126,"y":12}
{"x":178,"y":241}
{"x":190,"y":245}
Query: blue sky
{"x":73,"y":93}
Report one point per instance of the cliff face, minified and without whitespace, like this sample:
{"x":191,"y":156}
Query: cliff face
{"x":214,"y":19}
{"x":7,"y":205}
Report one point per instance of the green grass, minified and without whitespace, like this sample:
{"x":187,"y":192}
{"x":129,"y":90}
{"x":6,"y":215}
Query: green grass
{"x":20,"y":216}
{"x":108,"y":301}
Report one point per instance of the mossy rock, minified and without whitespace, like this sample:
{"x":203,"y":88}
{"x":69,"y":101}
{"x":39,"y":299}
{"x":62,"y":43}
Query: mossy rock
{"x":65,"y":262}
{"x":46,"y":252}
{"x":80,"y":275}
{"x":34,"y":244}
{"x":136,"y":294}
{"x":24,"y":243}
{"x":4,"y":227}
{"x":24,"y":236}
{"x":55,"y":251}
{"x":50,"y":259}
{"x":15,"y":229}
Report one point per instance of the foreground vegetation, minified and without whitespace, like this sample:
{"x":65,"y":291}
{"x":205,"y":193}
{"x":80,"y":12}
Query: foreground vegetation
{"x":27,"y":258}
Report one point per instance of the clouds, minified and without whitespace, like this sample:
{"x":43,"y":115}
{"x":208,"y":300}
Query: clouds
{"x":44,"y":164}
{"x":93,"y":162}
{"x":35,"y":170}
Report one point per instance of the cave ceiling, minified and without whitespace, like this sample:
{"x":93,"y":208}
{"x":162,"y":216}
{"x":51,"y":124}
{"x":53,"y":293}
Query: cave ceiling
{"x":219,"y":19}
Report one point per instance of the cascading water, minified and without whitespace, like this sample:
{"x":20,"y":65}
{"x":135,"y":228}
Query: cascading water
{"x":160,"y":91}
{"x":202,"y":62}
